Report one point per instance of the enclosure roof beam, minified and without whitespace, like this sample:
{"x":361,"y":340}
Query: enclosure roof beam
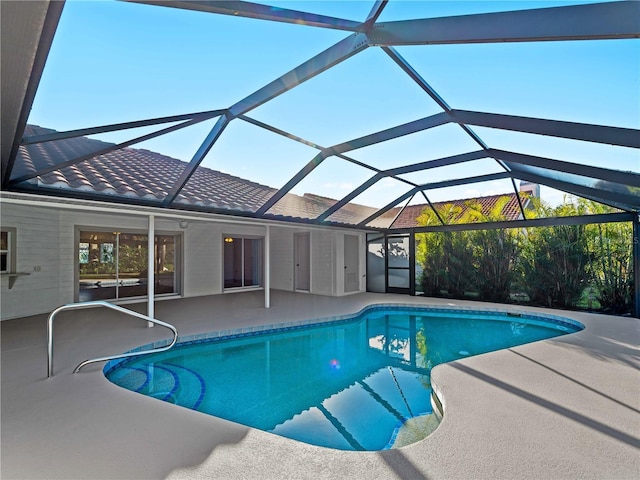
{"x":441,"y":162}
{"x":616,"y":176}
{"x":350,"y":196}
{"x":389,"y":206}
{"x":381,"y":136}
{"x":109,"y":148}
{"x":416,"y":77}
{"x":428,"y":186}
{"x":433,"y":209}
{"x":624,"y":137}
{"x":332,"y":56}
{"x":391,"y":133}
{"x":295,"y":138}
{"x":297,"y":178}
{"x":202,"y":151}
{"x":24,"y":54}
{"x":534,"y":222}
{"x":375,"y":12}
{"x":422,"y":83}
{"x":257,"y":11}
{"x":520,"y":204}
{"x":623,"y":201}
{"x":402,"y":209}
{"x":613,"y":20}
{"x":50,"y":137}
{"x":465,"y":181}
{"x":279,"y":131}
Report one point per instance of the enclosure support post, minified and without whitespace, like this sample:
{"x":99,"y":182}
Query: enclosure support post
{"x":636,"y":265}
{"x":151,"y":281}
{"x":412,"y":263}
{"x":267,"y":269}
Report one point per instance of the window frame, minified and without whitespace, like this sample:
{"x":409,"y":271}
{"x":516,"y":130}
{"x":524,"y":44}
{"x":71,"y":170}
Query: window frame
{"x":10,"y":251}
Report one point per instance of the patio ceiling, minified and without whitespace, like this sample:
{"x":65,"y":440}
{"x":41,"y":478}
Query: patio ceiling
{"x":610,"y":180}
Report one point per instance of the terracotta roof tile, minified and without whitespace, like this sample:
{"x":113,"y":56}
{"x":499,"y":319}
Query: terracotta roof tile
{"x":511,"y":211}
{"x":140,"y":173}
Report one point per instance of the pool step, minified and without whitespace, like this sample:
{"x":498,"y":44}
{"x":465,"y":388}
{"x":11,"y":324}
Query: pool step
{"x":192,"y":387}
{"x":134,"y":379}
{"x":168,"y":382}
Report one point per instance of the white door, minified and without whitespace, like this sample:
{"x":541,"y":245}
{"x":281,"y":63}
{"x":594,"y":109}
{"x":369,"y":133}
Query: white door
{"x":351,"y":262}
{"x":302,"y":261}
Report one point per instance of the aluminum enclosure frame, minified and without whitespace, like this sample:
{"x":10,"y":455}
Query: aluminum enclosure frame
{"x":586,"y":24}
{"x":609,"y":20}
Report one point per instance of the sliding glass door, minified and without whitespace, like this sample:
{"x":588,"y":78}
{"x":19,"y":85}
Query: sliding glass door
{"x":243,"y":262}
{"x":114,"y":265}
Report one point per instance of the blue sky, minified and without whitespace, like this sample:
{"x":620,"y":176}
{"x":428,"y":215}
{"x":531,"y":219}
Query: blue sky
{"x":115,"y":62}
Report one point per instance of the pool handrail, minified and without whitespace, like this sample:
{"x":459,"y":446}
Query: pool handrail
{"x":102,"y":303}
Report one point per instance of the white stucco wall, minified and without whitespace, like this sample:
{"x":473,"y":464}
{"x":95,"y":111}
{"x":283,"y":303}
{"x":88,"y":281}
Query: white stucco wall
{"x":46,"y":249}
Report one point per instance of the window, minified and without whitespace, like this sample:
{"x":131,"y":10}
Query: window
{"x":7,"y":250}
{"x":113,"y":265}
{"x":243,"y":261}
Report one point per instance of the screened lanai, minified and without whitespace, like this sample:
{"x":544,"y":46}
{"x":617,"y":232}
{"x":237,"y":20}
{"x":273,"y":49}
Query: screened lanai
{"x":326,"y":113}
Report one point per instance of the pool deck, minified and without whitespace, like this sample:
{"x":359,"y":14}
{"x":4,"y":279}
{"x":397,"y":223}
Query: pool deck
{"x":568,"y":407}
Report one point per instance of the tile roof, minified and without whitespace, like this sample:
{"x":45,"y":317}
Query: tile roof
{"x":143,"y":174}
{"x":511,"y":210}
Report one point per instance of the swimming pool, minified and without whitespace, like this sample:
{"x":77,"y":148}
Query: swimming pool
{"x":355,"y":383}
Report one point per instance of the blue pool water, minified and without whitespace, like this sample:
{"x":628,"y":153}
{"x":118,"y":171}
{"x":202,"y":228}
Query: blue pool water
{"x":348,"y":384}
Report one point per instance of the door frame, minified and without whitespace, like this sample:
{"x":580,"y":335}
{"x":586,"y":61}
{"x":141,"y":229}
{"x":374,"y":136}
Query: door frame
{"x":411,"y":290}
{"x":296,"y":252}
{"x":355,"y":260}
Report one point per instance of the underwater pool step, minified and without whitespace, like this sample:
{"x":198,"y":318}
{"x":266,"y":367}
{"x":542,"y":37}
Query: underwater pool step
{"x":192,"y":387}
{"x":152,"y":380}
{"x":135,"y":379}
{"x":165,"y":381}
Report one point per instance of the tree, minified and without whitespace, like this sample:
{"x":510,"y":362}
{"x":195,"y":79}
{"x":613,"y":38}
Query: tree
{"x":495,"y":253}
{"x":553,"y":260}
{"x":446,"y":257}
{"x":610,"y":260}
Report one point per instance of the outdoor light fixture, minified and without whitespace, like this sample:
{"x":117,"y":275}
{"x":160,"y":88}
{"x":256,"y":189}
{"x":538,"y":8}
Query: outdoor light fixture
{"x":228,"y":240}
{"x":184,"y":224}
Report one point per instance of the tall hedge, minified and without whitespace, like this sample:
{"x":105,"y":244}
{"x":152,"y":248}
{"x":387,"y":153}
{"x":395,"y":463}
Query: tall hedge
{"x":554,"y":266}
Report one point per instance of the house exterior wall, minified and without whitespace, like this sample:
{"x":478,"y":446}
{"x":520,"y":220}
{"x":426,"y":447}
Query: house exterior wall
{"x":323,"y":262}
{"x":341,"y":262}
{"x":327,"y":260}
{"x":46,"y":241}
{"x":38,"y":246}
{"x":282,"y":258}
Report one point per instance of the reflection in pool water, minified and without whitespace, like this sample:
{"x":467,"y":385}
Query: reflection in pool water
{"x":349,"y":384}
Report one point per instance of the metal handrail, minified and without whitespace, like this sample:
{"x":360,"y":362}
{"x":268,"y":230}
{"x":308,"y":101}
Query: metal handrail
{"x":101,"y":303}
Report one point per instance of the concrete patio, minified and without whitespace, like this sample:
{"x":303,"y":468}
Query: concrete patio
{"x":562,"y":408}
